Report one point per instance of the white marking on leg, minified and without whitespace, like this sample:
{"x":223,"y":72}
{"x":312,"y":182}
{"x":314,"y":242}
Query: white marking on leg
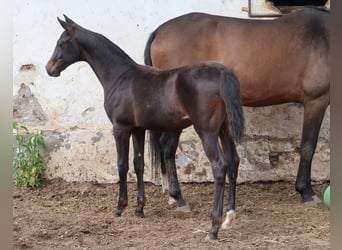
{"x":171,"y":201}
{"x":165,"y":184}
{"x":230,"y":216}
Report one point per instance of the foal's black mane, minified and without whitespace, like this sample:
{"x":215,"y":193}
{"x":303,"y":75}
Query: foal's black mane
{"x":92,"y":39}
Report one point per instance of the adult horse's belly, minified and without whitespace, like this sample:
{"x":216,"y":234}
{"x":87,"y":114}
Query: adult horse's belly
{"x":263,"y":87}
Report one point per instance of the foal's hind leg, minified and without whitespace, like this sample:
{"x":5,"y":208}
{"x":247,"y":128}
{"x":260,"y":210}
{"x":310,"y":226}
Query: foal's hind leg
{"x":314,"y":111}
{"x":169,"y":143}
{"x":138,"y":161}
{"x":219,"y":167}
{"x":122,"y":147}
{"x":233,"y":160}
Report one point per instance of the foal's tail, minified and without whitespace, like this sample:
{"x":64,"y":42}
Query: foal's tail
{"x":230,"y":92}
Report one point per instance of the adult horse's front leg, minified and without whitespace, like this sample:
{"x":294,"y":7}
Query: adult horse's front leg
{"x":314,"y":111}
{"x":169,"y":144}
{"x":122,"y":147}
{"x":138,"y":161}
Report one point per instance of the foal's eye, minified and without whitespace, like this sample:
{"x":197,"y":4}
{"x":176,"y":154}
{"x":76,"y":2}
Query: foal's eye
{"x":64,"y":45}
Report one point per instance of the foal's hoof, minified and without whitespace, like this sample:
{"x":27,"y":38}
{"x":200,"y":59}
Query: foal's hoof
{"x":184,"y":209}
{"x":117,"y":212}
{"x":313,"y":202}
{"x":139,"y":213}
{"x":230,"y":216}
{"x":211,"y":236}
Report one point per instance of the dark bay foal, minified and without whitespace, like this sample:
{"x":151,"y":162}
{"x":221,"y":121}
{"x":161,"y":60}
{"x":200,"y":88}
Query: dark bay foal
{"x":138,"y":97}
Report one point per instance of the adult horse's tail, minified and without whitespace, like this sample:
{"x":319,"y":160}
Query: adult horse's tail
{"x":147,"y":52}
{"x":155,"y":148}
{"x":230,"y":93}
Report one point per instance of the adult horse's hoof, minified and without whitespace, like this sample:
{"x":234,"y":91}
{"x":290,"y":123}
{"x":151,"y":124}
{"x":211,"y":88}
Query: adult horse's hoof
{"x":117,"y":212}
{"x":184,"y":209}
{"x":313,"y":202}
{"x":211,"y":236}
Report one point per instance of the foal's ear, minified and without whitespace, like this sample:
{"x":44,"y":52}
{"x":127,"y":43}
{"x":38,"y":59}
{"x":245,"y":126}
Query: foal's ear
{"x":68,"y":27}
{"x":68,"y":20}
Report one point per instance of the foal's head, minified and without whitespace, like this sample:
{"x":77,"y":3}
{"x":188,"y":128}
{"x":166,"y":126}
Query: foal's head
{"x":66,"y":51}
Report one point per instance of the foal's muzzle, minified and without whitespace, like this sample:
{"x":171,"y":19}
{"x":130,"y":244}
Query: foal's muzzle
{"x":52,"y":68}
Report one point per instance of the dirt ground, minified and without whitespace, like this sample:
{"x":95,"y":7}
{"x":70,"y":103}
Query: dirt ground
{"x":62,"y":215}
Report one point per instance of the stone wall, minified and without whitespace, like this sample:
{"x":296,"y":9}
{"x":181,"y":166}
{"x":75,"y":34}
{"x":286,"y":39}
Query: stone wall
{"x":69,"y":110}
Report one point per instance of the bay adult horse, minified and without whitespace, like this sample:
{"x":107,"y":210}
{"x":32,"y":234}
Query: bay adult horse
{"x":277,"y":61}
{"x":138,"y":97}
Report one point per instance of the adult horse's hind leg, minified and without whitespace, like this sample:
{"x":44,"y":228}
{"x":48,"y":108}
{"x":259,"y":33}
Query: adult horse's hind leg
{"x":169,"y":144}
{"x":233,"y":160}
{"x":138,"y":161}
{"x":122,"y":147}
{"x":314,"y":111}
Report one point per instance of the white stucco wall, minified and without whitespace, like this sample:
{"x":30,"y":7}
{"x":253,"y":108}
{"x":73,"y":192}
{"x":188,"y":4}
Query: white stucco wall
{"x":69,"y":109}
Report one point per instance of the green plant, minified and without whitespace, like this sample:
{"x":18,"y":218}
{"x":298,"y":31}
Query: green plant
{"x":28,"y":163}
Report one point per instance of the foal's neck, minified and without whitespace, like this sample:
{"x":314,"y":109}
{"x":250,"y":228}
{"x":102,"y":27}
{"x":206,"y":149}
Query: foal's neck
{"x":106,"y":59}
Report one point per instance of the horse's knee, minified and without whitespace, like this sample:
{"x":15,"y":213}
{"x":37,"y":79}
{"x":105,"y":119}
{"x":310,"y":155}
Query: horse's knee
{"x":122,"y":168}
{"x":137,"y":159}
{"x":220,"y":179}
{"x":138,"y":162}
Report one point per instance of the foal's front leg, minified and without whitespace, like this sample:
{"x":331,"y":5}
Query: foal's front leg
{"x":122,"y":147}
{"x":138,"y":145}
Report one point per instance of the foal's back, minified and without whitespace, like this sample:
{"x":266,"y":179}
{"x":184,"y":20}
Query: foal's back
{"x":171,"y":99}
